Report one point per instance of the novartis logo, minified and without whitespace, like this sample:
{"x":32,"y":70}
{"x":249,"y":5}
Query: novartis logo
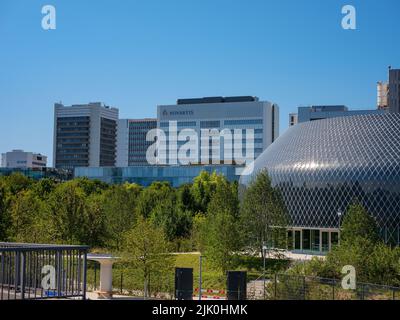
{"x":178,"y":113}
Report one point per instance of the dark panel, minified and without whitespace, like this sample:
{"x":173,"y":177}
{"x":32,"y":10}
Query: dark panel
{"x":236,"y":285}
{"x":184,"y":283}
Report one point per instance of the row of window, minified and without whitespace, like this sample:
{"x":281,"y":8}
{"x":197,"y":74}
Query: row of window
{"x":242,"y":122}
{"x":214,"y":124}
{"x":73,"y":119}
{"x":73,"y":134}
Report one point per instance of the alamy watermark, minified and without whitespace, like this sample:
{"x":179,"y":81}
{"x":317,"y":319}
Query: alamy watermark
{"x":212,"y":146}
{"x":49,"y":279}
{"x":349,"y":21}
{"x":49,"y":20}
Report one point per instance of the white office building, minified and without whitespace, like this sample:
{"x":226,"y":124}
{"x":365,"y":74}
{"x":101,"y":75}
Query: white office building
{"x":22,"y":159}
{"x":241,"y":116}
{"x":85,"y":135}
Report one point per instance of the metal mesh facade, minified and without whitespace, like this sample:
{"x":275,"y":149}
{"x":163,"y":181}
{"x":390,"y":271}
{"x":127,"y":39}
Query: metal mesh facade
{"x":320,"y":167}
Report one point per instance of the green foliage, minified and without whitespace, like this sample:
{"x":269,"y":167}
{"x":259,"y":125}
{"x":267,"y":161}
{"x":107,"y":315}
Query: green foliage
{"x":151,"y":196}
{"x":4,"y":213}
{"x":44,"y":187}
{"x":66,"y":207}
{"x":17,"y":182}
{"x":29,"y":218}
{"x":90,"y":186}
{"x":202,"y":190}
{"x":357,"y":223}
{"x":94,"y":228}
{"x":145,"y":249}
{"x":186,"y":200}
{"x":222,"y":236}
{"x":361,"y":248}
{"x":263,"y":215}
{"x":119,"y":205}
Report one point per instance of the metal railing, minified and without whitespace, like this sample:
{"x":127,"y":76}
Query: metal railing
{"x":297,"y":287}
{"x":39,"y":271}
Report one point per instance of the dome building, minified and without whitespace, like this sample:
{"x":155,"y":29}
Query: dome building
{"x":321,"y":167}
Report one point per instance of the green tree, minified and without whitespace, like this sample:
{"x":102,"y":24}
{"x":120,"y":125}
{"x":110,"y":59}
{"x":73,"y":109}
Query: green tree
{"x":222,"y":241}
{"x":91,"y":186}
{"x":199,"y":231}
{"x":358,"y":238}
{"x":222,"y":229}
{"x":29,"y":218}
{"x":5,"y":219}
{"x":360,"y":247}
{"x":186,"y":200}
{"x":44,"y":187}
{"x":263,"y":215}
{"x":120,"y":212}
{"x":383,"y":265}
{"x":202,"y":189}
{"x":168,"y":215}
{"x":67,"y":213}
{"x":358,"y":223}
{"x":94,"y":226}
{"x":17,"y":182}
{"x":156,"y":193}
{"x":146,"y":250}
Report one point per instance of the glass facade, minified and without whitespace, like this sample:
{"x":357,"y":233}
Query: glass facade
{"x":108,"y":142}
{"x":146,"y":175}
{"x":39,"y":173}
{"x":321,"y":167}
{"x":72,"y":142}
{"x":138,"y":144}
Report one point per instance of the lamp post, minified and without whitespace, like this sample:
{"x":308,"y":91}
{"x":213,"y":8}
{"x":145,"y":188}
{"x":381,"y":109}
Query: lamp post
{"x":200,"y":271}
{"x":264,"y":247}
{"x":339,"y":213}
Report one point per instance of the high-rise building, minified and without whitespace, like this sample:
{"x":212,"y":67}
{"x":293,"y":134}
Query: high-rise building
{"x":22,"y":159}
{"x":131,"y":142}
{"x":85,"y":135}
{"x":383,"y":91}
{"x":293,"y":119}
{"x":394,"y":90}
{"x":235,"y":114}
{"x":312,"y":113}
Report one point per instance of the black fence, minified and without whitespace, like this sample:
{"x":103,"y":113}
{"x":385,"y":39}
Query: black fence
{"x":34,"y":271}
{"x":295,"y":287}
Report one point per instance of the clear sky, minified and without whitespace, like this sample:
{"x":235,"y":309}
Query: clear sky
{"x":135,"y":55}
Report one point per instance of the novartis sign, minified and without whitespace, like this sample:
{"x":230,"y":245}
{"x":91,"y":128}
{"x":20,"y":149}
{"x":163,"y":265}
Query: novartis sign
{"x":165,"y":113}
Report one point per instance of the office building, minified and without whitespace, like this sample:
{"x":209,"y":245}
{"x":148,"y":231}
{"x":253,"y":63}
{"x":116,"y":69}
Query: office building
{"x":321,"y":167}
{"x":394,"y":90}
{"x":39,"y":173}
{"x":382,"y":94}
{"x":312,"y":113}
{"x":146,"y":175}
{"x":22,"y":159}
{"x":293,"y":119}
{"x":85,"y":135}
{"x":218,"y":115}
{"x":131,"y":141}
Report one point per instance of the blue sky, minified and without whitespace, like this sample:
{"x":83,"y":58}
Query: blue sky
{"x":135,"y":55}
